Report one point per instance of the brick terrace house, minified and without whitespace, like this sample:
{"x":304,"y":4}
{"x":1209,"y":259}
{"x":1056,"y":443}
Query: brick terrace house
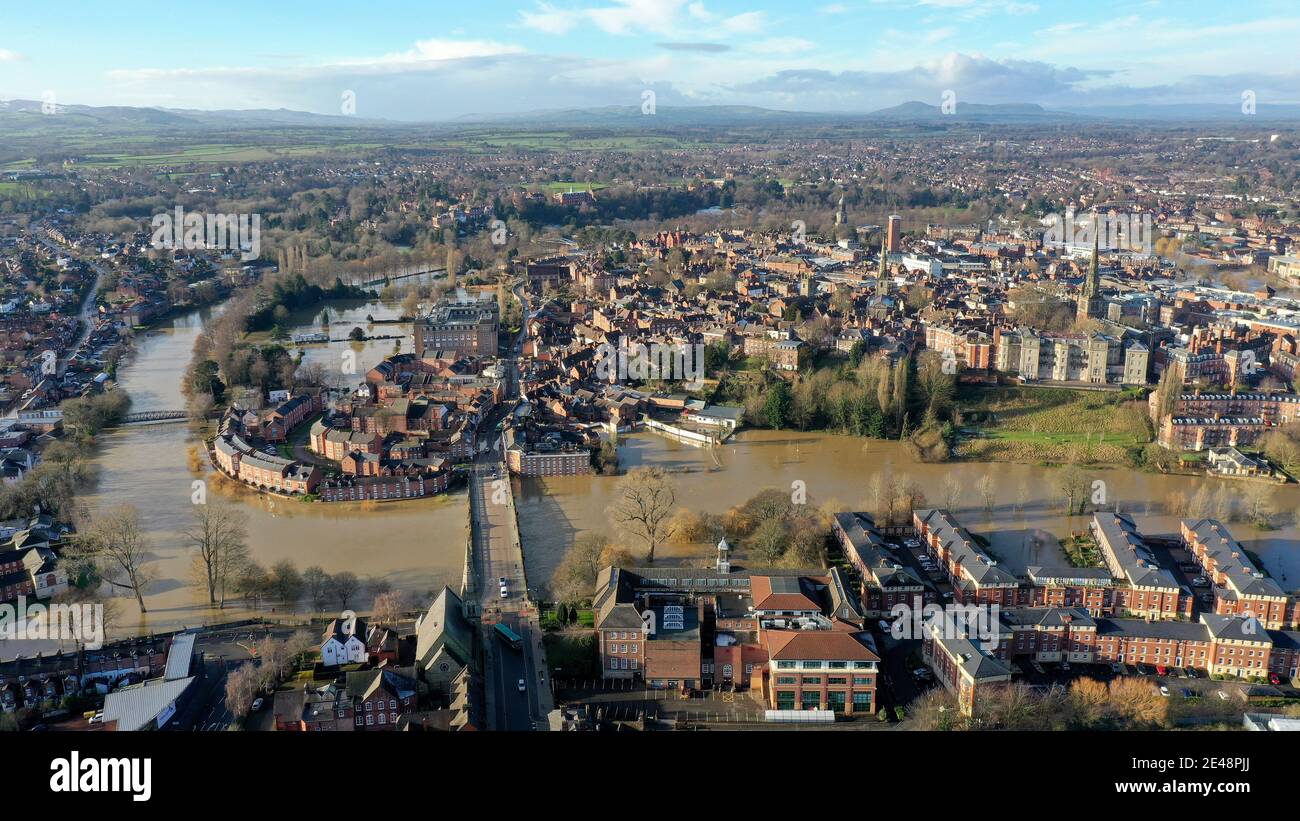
{"x":1239,"y":587}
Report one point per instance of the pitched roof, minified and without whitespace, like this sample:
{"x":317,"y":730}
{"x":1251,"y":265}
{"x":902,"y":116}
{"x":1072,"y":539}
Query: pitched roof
{"x":825,"y":645}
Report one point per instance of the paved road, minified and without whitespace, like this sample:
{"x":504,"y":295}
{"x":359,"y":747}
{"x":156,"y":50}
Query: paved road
{"x":499,"y":557}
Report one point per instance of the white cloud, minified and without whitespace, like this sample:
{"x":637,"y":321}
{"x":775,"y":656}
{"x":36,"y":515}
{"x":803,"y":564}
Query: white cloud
{"x":782,"y":45}
{"x":678,"y":18}
{"x":7,"y":56}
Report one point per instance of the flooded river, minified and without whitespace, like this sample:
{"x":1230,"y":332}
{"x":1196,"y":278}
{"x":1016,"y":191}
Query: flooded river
{"x":414,"y":545}
{"x":418,"y":546}
{"x":1023,"y":527}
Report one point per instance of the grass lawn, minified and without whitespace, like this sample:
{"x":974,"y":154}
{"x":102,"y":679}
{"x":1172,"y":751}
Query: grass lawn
{"x":1052,"y":425}
{"x":572,"y":655}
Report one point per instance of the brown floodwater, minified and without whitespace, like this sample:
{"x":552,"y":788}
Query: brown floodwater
{"x":414,"y":545}
{"x":418,"y":546}
{"x":1023,"y":527}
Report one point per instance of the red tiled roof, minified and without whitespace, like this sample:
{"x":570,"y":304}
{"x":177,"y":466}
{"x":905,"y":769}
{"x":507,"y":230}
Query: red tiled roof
{"x":812,"y":645}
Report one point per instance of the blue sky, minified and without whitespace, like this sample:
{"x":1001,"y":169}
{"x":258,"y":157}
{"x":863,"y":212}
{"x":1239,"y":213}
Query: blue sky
{"x":440,"y":59}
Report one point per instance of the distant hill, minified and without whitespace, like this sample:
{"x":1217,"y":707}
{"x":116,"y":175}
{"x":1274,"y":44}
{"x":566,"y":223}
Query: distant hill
{"x":973,"y":112}
{"x":614,"y":116}
{"x":13,"y":111}
{"x":1189,"y":112}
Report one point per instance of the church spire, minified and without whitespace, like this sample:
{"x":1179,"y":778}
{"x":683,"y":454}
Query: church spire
{"x":1092,"y":282}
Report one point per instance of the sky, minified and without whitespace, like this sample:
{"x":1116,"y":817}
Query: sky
{"x":443,"y":59}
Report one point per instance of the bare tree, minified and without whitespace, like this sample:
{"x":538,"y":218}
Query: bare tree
{"x":344,"y":586}
{"x":241,"y":684}
{"x":316,"y":582}
{"x":118,"y":542}
{"x":390,"y":606}
{"x":952,"y":491}
{"x":988,"y":490}
{"x":218,"y":534}
{"x":646,"y":500}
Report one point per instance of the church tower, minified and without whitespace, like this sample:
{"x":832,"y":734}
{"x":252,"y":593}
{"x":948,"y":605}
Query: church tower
{"x":1090,"y":301}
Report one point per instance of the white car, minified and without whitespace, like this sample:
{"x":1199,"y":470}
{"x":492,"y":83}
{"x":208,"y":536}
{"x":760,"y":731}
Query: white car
{"x":504,"y":592}
{"x":257,"y":704}
{"x":97,"y":718}
{"x":522,"y":686}
{"x":1164,"y":691}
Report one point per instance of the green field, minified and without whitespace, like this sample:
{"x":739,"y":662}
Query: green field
{"x":1051,"y":425}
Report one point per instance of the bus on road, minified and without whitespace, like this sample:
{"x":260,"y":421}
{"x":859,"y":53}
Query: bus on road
{"x":507,"y":635}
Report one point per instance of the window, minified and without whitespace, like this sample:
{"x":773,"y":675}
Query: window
{"x":812,"y":680}
{"x":835,"y":701}
{"x":785,"y":680}
{"x":837,"y":680}
{"x":369,"y":706}
{"x":812,"y":700}
{"x":370,"y":719}
{"x":785,"y":699}
{"x":864,"y":681}
{"x":861,"y":701}
{"x":785,"y":665}
{"x":383,"y":719}
{"x":838,"y":665}
{"x":392,"y":704}
{"x":359,"y":719}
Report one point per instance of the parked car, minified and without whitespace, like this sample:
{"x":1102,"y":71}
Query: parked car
{"x":1162,"y":670}
{"x":1187,"y":693}
{"x":257,"y":704}
{"x":885,"y":626}
{"x":1191,"y":672}
{"x":1223,"y":695}
{"x":1117,"y":668}
{"x":522,"y":686}
{"x":97,"y":718}
{"x":1274,"y":678}
{"x":947,"y":594}
{"x":1164,"y":691}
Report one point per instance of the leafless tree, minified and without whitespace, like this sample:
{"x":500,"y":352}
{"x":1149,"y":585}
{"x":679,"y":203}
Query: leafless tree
{"x":645,"y":505}
{"x":344,"y":586}
{"x":118,"y":541}
{"x":218,"y":535}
